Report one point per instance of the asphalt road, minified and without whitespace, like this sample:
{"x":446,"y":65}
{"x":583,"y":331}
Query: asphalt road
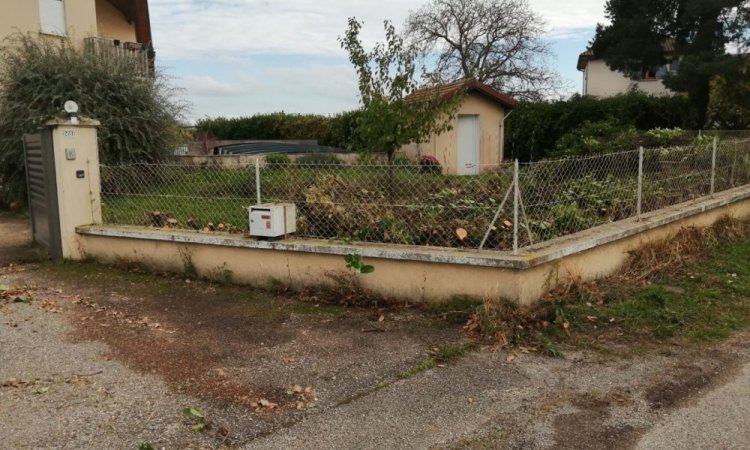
{"x":718,"y":420}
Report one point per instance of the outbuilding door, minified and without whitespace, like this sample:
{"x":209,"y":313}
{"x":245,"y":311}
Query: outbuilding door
{"x":468,"y":145}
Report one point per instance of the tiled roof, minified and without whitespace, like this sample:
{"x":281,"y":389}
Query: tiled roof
{"x":446,"y":91}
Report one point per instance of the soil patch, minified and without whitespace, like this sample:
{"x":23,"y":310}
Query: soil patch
{"x":686,"y":380}
{"x":15,"y":240}
{"x":236,"y":345}
{"x":587,"y":428}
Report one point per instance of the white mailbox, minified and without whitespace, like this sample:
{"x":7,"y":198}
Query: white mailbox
{"x":273,"y":219}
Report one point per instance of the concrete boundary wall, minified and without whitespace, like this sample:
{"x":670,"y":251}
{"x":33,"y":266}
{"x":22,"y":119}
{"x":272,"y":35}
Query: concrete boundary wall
{"x":416,"y":273}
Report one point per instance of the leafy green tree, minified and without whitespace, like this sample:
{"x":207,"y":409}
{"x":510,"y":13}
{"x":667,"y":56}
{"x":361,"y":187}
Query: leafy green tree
{"x":700,"y":31}
{"x":138,"y":115}
{"x":729,"y":105}
{"x":394,"y":113}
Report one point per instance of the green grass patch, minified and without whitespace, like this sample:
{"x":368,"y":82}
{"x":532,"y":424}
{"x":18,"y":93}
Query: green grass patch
{"x":704,"y":299}
{"x":439,"y":356}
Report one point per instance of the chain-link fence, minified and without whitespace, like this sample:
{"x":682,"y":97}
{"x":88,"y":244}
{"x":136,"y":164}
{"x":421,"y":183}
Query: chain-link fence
{"x":423,"y":205}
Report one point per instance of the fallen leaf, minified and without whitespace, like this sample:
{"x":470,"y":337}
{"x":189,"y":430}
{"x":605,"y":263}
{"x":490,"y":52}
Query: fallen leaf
{"x":290,"y":359}
{"x":78,"y":380}
{"x":13,"y":382}
{"x":298,"y":389}
{"x":510,"y":357}
{"x":24,"y":299}
{"x":471,"y":326}
{"x":461,"y":233}
{"x":267,"y":404}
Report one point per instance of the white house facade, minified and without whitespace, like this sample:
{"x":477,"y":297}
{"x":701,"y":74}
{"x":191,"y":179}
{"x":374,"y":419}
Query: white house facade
{"x":601,"y":81}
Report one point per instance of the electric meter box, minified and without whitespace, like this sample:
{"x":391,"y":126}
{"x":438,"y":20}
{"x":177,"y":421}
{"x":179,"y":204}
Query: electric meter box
{"x":273,"y":219}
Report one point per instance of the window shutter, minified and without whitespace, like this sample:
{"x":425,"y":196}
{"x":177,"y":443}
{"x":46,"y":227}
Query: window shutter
{"x":52,"y":17}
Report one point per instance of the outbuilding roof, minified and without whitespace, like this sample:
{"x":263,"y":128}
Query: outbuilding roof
{"x":446,"y":91}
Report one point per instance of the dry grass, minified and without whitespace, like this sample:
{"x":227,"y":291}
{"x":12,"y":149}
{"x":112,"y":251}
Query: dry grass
{"x":633,"y":302}
{"x":685,"y":247}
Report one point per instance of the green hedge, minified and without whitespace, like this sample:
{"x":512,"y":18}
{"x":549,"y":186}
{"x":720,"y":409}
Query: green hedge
{"x":335,"y":131}
{"x":534,"y":130}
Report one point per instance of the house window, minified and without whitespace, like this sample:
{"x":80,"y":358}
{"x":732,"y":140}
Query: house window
{"x":52,"y":17}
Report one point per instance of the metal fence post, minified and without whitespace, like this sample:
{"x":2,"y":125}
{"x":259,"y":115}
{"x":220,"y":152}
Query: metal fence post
{"x":640,"y":184}
{"x":257,"y":180}
{"x":516,"y":202}
{"x":713,"y":167}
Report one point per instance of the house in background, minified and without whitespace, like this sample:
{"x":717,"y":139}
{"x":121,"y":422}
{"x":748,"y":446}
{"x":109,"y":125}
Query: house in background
{"x":476,"y":137}
{"x":118,"y":27}
{"x":601,"y":81}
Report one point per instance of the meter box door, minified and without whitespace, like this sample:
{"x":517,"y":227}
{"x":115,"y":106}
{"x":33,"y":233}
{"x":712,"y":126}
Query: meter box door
{"x":273,"y":219}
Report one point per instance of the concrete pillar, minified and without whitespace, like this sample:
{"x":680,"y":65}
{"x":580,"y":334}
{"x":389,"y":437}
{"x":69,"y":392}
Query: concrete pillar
{"x":77,"y":178}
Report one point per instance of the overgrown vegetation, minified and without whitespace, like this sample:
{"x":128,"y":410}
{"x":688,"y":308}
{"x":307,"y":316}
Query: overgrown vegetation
{"x":694,"y":286}
{"x":709,"y":39}
{"x":535,"y":130}
{"x":394,"y":113}
{"x":138,"y":115}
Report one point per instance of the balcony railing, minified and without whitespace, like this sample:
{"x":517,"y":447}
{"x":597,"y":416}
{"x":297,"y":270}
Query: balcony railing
{"x":140,"y":54}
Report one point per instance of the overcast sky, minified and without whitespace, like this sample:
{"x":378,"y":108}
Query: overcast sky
{"x":240,"y":57}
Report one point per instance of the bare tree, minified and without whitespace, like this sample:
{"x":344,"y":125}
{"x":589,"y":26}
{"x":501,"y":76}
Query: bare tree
{"x":497,"y":42}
